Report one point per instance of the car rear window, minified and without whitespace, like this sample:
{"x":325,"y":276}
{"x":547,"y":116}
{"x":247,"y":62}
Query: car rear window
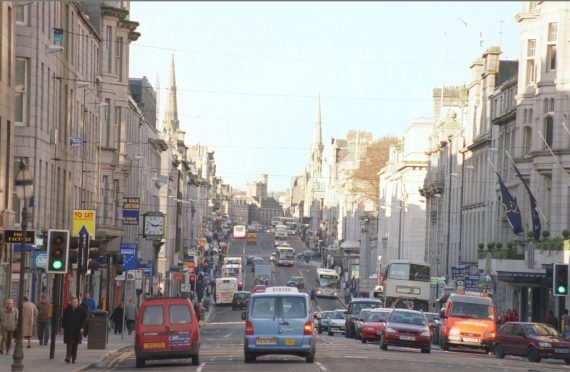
{"x":338,"y":315}
{"x":179,"y":314}
{"x":263,"y":307}
{"x":293,"y":307}
{"x":407,"y":318}
{"x":153,"y":315}
{"x":377,"y":316}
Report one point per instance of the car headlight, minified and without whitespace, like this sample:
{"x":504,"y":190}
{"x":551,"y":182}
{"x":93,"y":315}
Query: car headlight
{"x":335,"y":294}
{"x":454,"y":331}
{"x":390,"y":330}
{"x":319,"y":291}
{"x":544,"y":344}
{"x":489,"y":334}
{"x":425,"y":333}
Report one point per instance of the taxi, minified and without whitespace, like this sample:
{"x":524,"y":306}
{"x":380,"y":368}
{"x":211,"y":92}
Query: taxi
{"x":279,"y":321}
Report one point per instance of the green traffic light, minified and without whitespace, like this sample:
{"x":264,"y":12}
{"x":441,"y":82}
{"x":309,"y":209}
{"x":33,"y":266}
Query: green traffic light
{"x":561,"y":289}
{"x":57,"y":265}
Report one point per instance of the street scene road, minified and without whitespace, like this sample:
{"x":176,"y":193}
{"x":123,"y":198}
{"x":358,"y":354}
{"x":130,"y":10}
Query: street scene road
{"x":222,"y":338}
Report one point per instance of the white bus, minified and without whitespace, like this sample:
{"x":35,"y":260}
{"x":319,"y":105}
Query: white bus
{"x":328,"y":283}
{"x":225,"y":289}
{"x":233,"y":271}
{"x":281,"y":232}
{"x":407,"y":285}
{"x":239,"y":232}
{"x":285,"y":256}
{"x":232,"y":260}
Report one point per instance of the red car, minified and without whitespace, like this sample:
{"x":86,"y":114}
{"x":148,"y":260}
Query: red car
{"x":373,"y":324}
{"x":407,"y":328}
{"x":258,"y":288}
{"x":533,"y":340}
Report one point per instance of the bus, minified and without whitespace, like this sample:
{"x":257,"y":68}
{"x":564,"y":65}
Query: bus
{"x":407,"y":285}
{"x":239,"y":232}
{"x":291,"y":228}
{"x":327,"y":283}
{"x":281,"y":220}
{"x":225,"y":289}
{"x":233,"y":271}
{"x":232,"y":261}
{"x":285,"y":256}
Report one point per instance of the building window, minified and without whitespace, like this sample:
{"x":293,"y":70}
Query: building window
{"x":20,"y":88}
{"x":109,"y":49}
{"x":22,"y":14}
{"x":119,"y":58}
{"x":530,"y":65}
{"x":548,"y":130}
{"x":527,"y":140}
{"x":551,"y":47}
{"x":107,"y":121}
{"x":552,"y":105}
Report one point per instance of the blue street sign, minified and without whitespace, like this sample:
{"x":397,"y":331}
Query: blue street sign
{"x":146,"y":269}
{"x":129,"y":253}
{"x":40,"y":260}
{"x":75,"y":141}
{"x":18,"y":247}
{"x":83,"y":231}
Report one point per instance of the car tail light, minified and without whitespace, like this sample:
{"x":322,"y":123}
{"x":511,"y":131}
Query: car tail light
{"x":248,"y":328}
{"x":308,"y":329}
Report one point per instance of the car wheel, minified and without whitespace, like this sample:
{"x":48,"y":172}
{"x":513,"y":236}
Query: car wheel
{"x":382,"y":345}
{"x":567,"y":361}
{"x":444,"y":344}
{"x":330,"y":333}
{"x":499,"y":352}
{"x":426,"y":351}
{"x":532,"y":355}
{"x":140,"y":362}
{"x":310,"y":358}
{"x":249,"y":358}
{"x":363,"y":339}
{"x":195,"y":359}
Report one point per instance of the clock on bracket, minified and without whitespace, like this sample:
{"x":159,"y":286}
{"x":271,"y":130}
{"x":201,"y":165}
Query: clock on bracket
{"x":154,"y":225}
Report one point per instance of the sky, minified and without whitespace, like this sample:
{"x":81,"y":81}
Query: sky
{"x":249,"y":74}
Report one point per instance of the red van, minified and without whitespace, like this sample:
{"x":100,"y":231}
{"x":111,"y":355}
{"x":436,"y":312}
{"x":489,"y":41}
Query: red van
{"x":167,"y":328}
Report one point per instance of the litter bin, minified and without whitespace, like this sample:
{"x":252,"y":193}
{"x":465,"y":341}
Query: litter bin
{"x":347,"y":298}
{"x":97,"y":336}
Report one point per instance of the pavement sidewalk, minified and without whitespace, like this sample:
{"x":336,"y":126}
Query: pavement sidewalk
{"x":37,"y":357}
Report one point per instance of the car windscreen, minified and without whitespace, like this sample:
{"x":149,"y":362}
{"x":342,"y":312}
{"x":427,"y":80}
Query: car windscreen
{"x":338,"y":315}
{"x":293,"y":307}
{"x":407,"y":318}
{"x":153,"y":315}
{"x":263,"y":307}
{"x":240,"y":296}
{"x":471,"y":310}
{"x":358,"y":306}
{"x":539,"y":330}
{"x":179,"y":314}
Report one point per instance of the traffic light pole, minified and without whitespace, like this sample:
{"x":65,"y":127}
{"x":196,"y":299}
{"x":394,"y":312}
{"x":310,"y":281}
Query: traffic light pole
{"x":18,"y":356}
{"x":55,"y":313}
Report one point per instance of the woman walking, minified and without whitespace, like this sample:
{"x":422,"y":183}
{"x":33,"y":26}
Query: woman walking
{"x":29,"y":316}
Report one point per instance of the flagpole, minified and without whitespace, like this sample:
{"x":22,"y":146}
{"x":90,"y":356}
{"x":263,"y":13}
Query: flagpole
{"x":565,"y":128}
{"x":551,"y":153}
{"x":525,"y":185}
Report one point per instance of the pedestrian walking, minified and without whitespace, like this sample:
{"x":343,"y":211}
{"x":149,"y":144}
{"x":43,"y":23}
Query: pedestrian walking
{"x":8,"y":324}
{"x":117,"y":318}
{"x":73,"y":323}
{"x":29,"y":316}
{"x":88,"y":304}
{"x":44,"y":320}
{"x":551,"y":319}
{"x":566,"y":325}
{"x":314,"y":296}
{"x":131,"y":315}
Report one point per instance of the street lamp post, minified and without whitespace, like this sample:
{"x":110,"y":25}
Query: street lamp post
{"x":24,"y":188}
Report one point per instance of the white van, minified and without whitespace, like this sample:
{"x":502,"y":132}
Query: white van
{"x":281,"y":232}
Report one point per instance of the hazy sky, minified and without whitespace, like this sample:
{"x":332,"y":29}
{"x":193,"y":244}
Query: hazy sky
{"x":249,"y":73}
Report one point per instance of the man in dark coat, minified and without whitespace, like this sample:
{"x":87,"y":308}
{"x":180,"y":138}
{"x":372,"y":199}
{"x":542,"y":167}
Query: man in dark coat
{"x":73,"y":323}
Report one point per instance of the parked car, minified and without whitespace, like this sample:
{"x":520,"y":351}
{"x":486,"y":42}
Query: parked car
{"x":533,"y":340}
{"x":296,"y":281}
{"x":240,"y":300}
{"x":258,"y":288}
{"x":337,"y":322}
{"x":407,"y":328}
{"x":323,"y":323}
{"x":354,"y":308}
{"x":359,"y":321}
{"x":434,"y":322}
{"x":373,"y":324}
{"x":166,"y":328}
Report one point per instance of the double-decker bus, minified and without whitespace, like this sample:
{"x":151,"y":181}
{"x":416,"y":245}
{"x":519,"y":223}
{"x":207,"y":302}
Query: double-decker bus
{"x":327,"y":283}
{"x":407,"y":285}
{"x":285,"y":256}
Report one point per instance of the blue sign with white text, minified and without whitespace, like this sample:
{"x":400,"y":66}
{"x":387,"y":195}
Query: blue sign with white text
{"x":129,"y":253}
{"x":146,"y":269}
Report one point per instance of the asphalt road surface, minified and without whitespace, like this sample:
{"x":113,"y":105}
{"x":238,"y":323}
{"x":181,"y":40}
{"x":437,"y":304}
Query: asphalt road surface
{"x":222,"y":340}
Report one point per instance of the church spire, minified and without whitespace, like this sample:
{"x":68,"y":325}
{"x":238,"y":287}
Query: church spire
{"x":317,"y":131}
{"x":170,"y":121}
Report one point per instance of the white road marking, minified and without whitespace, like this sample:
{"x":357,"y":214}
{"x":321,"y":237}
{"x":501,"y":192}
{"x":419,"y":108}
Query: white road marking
{"x":199,"y":369}
{"x":321,"y":367}
{"x":228,"y":335}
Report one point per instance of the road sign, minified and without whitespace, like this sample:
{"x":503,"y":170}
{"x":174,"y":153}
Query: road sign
{"x":146,"y":269}
{"x":131,"y":275}
{"x":185,"y":287}
{"x":138,"y":274}
{"x":83,"y":218}
{"x":40,"y":260}
{"x":129,"y":253}
{"x":122,"y":276}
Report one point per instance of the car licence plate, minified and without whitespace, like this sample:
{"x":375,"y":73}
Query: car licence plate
{"x":473,"y":340}
{"x":289,"y":342}
{"x":153,"y":345}
{"x":407,"y":338}
{"x":562,"y":351}
{"x":265,"y":341}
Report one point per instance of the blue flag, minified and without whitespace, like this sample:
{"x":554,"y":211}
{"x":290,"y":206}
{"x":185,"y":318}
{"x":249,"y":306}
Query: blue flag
{"x":536,"y":226}
{"x":511,"y":208}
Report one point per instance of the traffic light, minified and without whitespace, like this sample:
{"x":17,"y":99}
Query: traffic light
{"x":93,"y":259}
{"x":119,"y":260}
{"x":58,"y":251}
{"x":560,"y":280}
{"x":73,"y":249}
{"x":192,"y":278}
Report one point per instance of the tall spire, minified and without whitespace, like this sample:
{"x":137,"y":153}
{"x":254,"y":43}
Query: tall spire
{"x":317,"y":132}
{"x":170,"y":121}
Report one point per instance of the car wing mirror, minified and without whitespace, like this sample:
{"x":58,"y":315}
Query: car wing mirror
{"x":243,"y":315}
